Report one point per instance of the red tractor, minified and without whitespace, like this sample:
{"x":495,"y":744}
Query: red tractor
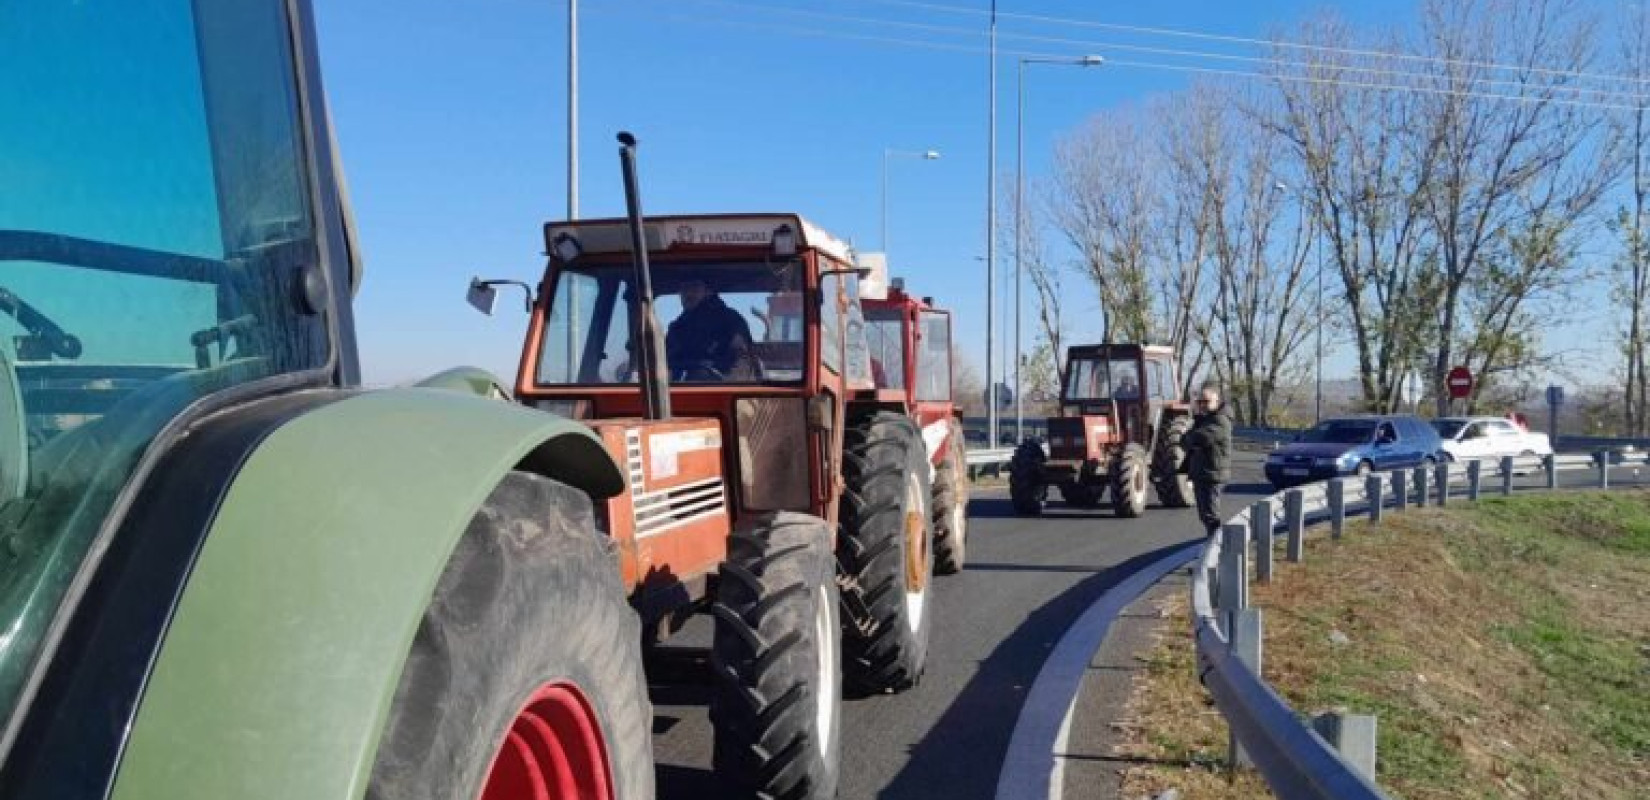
{"x":770,"y":483}
{"x":910,"y":346}
{"x":1119,"y":430}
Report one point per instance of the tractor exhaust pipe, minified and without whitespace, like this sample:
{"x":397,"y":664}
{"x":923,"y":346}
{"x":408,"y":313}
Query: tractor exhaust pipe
{"x":655,"y":374}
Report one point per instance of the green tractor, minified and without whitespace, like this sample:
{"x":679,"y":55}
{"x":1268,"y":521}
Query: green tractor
{"x":226,"y":569}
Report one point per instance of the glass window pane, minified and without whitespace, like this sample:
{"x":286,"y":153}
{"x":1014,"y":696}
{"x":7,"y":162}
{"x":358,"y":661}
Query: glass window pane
{"x":934,"y":365}
{"x":885,"y":340}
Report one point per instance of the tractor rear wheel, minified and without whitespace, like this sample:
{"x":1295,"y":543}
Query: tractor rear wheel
{"x":1129,"y":478}
{"x":776,"y":661}
{"x":951,"y":506}
{"x":506,"y":694}
{"x":1174,"y":486}
{"x":886,"y":551}
{"x":1026,"y":489}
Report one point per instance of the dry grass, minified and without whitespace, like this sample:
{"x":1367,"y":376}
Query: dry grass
{"x":1504,"y":647}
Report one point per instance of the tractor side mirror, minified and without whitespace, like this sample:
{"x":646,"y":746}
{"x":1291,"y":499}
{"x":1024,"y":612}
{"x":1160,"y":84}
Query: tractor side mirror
{"x":481,"y":296}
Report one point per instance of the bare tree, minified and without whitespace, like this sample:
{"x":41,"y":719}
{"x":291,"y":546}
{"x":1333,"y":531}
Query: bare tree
{"x":1194,"y":148}
{"x":1353,"y":150}
{"x":1044,"y":364}
{"x":1631,"y":278}
{"x":1493,"y":154}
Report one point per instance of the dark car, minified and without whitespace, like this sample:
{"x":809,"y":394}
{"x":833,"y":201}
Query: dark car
{"x":1354,"y":446}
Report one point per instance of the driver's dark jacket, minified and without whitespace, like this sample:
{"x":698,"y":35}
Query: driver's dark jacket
{"x":1208,"y":446}
{"x":704,"y":335}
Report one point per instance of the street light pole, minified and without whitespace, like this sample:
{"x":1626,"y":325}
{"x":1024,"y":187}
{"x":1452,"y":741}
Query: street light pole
{"x":1019,"y":221}
{"x":991,"y":240}
{"x":888,"y":152}
{"x":572,"y":109}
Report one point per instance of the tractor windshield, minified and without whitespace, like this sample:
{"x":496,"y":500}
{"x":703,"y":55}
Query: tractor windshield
{"x":153,"y":218}
{"x":1102,"y":379}
{"x":724,"y":323}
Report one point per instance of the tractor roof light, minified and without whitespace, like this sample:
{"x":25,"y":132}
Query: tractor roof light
{"x":784,"y":241}
{"x":566,"y":248}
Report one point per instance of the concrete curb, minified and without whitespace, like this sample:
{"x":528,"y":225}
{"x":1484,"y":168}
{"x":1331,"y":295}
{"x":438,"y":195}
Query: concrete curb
{"x":1032,"y":767}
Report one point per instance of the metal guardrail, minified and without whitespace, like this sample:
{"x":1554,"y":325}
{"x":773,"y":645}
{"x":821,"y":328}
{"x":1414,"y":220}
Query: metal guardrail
{"x":988,"y":461}
{"x":1294,"y":760}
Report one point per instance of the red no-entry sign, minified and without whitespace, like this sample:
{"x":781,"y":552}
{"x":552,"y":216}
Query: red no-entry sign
{"x":1460,"y":383}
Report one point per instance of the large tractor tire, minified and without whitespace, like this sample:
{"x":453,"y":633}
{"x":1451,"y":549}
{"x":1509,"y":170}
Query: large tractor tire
{"x":951,"y":506}
{"x":777,"y":663}
{"x":1174,"y":487}
{"x":525,"y":675}
{"x":1026,"y":489}
{"x":1130,"y":475}
{"x":886,"y":551}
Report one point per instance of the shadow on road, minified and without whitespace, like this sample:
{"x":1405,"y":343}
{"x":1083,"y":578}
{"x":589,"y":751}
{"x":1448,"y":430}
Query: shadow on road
{"x":962,"y":755}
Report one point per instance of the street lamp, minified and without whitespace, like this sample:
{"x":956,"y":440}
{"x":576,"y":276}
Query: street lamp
{"x":1019,"y":221}
{"x":887,"y":153}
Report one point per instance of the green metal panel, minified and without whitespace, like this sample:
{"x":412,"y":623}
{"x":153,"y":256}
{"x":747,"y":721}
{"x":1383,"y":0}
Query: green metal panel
{"x":467,"y":379}
{"x":279,"y":667}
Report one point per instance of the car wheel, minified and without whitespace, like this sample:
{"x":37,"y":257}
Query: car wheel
{"x":1364,"y":468}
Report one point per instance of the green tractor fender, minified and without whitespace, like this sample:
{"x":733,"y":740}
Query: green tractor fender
{"x":286,"y":647}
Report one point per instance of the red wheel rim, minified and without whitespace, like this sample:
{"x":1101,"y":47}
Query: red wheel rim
{"x":553,"y":750}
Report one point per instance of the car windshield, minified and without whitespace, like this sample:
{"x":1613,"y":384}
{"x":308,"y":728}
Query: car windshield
{"x":723,"y":322}
{"x":1448,"y":428}
{"x":153,"y":219}
{"x":1341,"y":431}
{"x":1102,"y":379}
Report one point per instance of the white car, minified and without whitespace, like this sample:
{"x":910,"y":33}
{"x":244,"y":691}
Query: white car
{"x":1469,"y":438}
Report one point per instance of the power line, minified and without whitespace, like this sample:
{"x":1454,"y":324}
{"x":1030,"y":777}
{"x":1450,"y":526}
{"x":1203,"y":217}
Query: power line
{"x":1190,"y":34}
{"x":975,"y":50}
{"x":1376,"y":72}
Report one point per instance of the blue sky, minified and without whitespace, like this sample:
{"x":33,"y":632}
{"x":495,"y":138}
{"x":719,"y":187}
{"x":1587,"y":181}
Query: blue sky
{"x":451,"y":117}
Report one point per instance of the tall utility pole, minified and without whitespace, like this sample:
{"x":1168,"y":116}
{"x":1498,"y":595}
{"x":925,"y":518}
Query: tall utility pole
{"x":991,"y":242}
{"x":572,"y":109}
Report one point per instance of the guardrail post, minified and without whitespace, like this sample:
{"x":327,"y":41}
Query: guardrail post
{"x":1232,"y":577}
{"x":1549,"y":462}
{"x":1353,"y":736}
{"x":1372,"y":492}
{"x":1400,"y":490}
{"x":1337,"y":506}
{"x":1506,"y":476}
{"x":1246,"y":632}
{"x":1475,"y":479}
{"x":1260,"y":530}
{"x":1442,"y":475}
{"x":1602,"y":460}
{"x":1294,"y":511}
{"x":1419,"y":475}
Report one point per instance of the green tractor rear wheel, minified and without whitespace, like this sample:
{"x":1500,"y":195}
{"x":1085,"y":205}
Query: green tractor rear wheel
{"x":525,"y":676}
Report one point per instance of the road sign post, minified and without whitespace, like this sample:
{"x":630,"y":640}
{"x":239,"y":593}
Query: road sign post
{"x":1459,"y":383}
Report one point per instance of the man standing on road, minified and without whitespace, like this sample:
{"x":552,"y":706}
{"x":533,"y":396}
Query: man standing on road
{"x":1208,"y":454}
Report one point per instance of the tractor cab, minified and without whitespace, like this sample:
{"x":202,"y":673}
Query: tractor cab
{"x":910,"y":348}
{"x":1125,"y":383}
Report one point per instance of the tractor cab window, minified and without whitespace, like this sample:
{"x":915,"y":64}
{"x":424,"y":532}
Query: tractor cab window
{"x":885,"y":339}
{"x":154,"y":220}
{"x":723,"y":323}
{"x":934,"y":358}
{"x":1103,"y":379}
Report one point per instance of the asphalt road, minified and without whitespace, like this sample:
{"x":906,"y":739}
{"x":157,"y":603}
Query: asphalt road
{"x":1025,"y":581}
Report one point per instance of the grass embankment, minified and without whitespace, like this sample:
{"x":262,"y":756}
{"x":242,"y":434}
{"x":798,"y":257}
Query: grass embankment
{"x":1505,"y":648}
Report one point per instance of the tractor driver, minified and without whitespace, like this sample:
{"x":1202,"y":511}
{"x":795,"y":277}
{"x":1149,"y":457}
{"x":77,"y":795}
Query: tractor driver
{"x":708,"y":339}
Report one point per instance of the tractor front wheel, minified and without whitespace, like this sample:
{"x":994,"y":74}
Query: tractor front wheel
{"x":886,"y":550}
{"x":507,"y":694}
{"x":1026,"y":489}
{"x":951,"y":506}
{"x":1174,"y":486}
{"x":1129,"y":477}
{"x":776,"y":662}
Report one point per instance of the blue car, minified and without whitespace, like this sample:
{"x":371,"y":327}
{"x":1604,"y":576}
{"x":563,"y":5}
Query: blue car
{"x":1354,"y":446}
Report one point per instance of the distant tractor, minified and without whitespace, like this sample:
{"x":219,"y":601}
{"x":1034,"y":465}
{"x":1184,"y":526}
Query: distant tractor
{"x":910,"y":344}
{"x":1119,"y":430}
{"x":768,"y":481}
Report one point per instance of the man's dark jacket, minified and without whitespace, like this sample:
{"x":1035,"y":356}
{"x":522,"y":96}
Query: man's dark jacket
{"x":1209,"y":446}
{"x":704,"y":334}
